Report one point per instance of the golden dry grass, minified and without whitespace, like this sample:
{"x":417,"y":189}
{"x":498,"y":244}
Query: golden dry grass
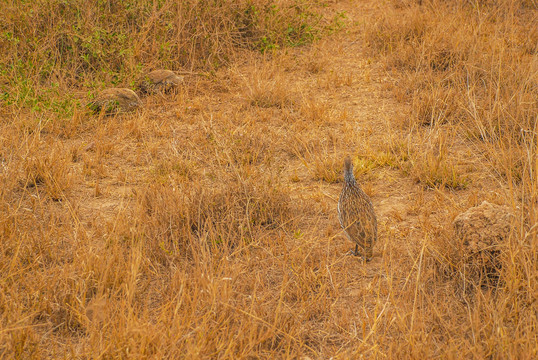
{"x":204,"y":225}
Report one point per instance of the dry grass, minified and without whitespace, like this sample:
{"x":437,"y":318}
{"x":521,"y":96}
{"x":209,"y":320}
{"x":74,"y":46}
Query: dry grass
{"x":204,"y":224}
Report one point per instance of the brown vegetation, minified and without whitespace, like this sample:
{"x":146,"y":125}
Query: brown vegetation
{"x":204,"y":224}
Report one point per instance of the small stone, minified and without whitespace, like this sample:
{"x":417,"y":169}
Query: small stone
{"x":115,"y":100}
{"x":160,"y":81}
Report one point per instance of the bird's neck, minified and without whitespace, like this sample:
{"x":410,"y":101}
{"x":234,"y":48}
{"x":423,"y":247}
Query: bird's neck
{"x":349,"y":177}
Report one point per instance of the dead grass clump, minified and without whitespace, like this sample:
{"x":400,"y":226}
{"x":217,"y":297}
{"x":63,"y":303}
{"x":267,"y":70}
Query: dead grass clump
{"x":265,"y":87}
{"x":51,"y":170}
{"x":175,"y":169}
{"x":43,"y":245}
{"x":315,"y":110}
{"x":248,"y":147}
{"x":433,"y":170}
{"x":398,"y":34}
{"x":318,"y":155}
{"x":268,"y":94}
{"x":176,"y":219}
{"x":434,"y":106}
{"x":317,"y":63}
{"x":310,"y":143}
{"x":429,"y":159}
{"x":328,"y":169}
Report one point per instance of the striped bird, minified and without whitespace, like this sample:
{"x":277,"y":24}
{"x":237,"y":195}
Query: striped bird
{"x":159,"y":81}
{"x":356,"y":214}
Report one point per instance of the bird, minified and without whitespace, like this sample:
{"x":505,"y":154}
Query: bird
{"x":114,"y":100}
{"x":356,"y":214}
{"x":159,"y":81}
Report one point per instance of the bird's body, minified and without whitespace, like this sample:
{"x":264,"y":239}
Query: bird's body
{"x":115,"y":100}
{"x":356,"y":214}
{"x":160,"y":81}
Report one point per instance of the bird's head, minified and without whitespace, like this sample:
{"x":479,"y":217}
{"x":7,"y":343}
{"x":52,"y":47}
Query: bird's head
{"x":348,"y":170}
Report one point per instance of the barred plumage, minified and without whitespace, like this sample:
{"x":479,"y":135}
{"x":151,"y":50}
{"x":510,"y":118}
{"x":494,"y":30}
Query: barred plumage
{"x":356,"y":214}
{"x":159,"y":81}
{"x":115,"y":100}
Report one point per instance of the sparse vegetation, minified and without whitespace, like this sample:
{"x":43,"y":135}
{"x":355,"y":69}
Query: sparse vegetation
{"x":204,"y":224}
{"x":52,"y":46}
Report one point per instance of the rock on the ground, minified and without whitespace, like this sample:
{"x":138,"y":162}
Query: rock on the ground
{"x":483,"y":226}
{"x":159,"y":81}
{"x":483,"y":230}
{"x":115,"y":100}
